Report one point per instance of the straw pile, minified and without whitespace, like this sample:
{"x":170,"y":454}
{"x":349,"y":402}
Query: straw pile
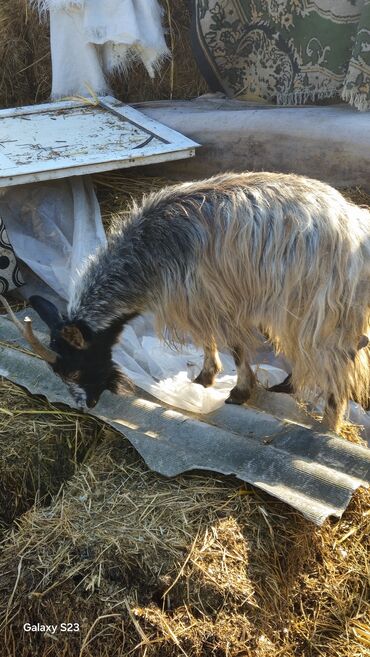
{"x":26,"y":70}
{"x":197,"y":565}
{"x":40,"y":448}
{"x":24,"y":55}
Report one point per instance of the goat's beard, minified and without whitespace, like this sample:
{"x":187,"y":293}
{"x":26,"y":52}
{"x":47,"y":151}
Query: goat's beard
{"x":119,"y":383}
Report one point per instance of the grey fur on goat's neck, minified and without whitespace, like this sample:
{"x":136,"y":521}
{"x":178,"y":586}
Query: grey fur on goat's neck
{"x":151,"y":250}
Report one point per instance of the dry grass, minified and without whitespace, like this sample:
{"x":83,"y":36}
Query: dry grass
{"x":196,"y":565}
{"x":25,"y":69}
{"x":358,"y":196}
{"x":40,"y":448}
{"x":24,"y":55}
{"x":116,"y":190}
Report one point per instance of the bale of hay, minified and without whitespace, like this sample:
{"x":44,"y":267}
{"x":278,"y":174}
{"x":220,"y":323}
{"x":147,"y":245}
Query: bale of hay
{"x":26,"y":66}
{"x":196,"y":565}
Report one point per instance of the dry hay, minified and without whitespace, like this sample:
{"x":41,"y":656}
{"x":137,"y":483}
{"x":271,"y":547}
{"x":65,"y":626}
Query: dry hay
{"x":40,"y":448}
{"x":41,"y":445}
{"x":24,"y":55}
{"x":116,"y":190}
{"x":357,"y":195}
{"x":25,"y":65}
{"x":196,"y":565}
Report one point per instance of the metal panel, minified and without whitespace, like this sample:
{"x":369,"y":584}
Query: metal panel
{"x":314,"y":472}
{"x":61,"y":139}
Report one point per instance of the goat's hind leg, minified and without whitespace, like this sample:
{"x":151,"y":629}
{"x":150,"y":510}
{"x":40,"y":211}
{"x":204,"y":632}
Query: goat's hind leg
{"x":246,"y":379}
{"x":334,"y":413}
{"x":348,"y":367}
{"x":344,"y":367}
{"x":211,"y":365}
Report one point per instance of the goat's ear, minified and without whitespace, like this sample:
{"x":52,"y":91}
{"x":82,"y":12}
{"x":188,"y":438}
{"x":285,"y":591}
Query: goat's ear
{"x":73,"y":335}
{"x":47,"y":311}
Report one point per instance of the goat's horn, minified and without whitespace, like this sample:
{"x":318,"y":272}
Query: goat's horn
{"x":26,"y":330}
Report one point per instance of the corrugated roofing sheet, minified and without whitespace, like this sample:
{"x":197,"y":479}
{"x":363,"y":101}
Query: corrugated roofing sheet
{"x":316,"y":473}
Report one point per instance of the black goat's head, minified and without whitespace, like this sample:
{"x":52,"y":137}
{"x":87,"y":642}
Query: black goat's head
{"x":81,"y":357}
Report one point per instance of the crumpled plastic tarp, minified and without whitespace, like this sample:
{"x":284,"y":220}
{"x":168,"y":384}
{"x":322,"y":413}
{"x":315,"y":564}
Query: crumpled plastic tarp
{"x":168,"y":374}
{"x":53,"y":227}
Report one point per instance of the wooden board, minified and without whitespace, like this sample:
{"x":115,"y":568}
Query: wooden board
{"x":55,"y":140}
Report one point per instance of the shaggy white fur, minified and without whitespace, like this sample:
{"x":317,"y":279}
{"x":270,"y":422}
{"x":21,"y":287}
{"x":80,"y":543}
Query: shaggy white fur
{"x":217,"y":259}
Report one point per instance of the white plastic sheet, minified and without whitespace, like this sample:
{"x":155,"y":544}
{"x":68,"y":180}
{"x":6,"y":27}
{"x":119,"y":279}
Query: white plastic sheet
{"x":53,"y":227}
{"x":168,"y":374}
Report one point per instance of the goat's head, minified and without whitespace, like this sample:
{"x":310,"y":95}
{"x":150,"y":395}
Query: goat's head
{"x":82,"y":358}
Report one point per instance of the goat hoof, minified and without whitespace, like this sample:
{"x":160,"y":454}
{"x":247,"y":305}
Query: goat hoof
{"x":285,"y":386}
{"x":238,"y":396}
{"x":205,"y":379}
{"x":231,"y":400}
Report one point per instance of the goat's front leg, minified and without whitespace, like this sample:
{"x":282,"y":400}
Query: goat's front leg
{"x":246,"y":379}
{"x":211,"y":365}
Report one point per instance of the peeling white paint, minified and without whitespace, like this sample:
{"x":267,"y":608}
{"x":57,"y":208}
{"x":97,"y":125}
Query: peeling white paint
{"x":55,"y":140}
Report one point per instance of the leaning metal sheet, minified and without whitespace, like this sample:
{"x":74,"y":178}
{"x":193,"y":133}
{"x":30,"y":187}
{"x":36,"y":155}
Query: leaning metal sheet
{"x":315,"y":473}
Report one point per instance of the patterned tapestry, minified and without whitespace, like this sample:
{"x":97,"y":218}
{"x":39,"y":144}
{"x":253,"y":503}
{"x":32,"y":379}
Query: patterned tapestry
{"x":288,"y":51}
{"x":10,"y":276}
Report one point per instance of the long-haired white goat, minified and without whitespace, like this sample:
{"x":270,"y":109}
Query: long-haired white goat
{"x":214,"y":260}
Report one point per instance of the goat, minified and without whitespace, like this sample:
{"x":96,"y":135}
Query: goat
{"x":214,"y":260}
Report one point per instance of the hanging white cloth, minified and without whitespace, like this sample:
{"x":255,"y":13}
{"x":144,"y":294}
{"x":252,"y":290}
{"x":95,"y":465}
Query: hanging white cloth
{"x":90,"y":39}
